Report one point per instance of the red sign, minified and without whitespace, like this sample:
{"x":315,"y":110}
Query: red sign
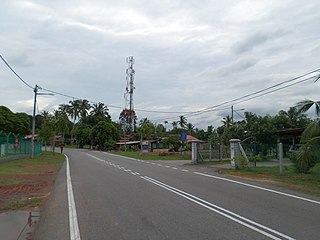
{"x":16,"y":143}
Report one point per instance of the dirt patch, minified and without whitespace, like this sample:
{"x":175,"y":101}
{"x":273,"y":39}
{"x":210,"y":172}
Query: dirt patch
{"x":29,"y":190}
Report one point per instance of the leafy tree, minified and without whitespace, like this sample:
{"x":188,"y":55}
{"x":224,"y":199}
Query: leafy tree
{"x":146,"y":128}
{"x":48,"y":130}
{"x":125,"y":118}
{"x":104,"y":135}
{"x":14,"y":122}
{"x":173,"y":142}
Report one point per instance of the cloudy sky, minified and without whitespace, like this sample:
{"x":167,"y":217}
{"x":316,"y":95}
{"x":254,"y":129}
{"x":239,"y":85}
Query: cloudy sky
{"x":189,"y":54}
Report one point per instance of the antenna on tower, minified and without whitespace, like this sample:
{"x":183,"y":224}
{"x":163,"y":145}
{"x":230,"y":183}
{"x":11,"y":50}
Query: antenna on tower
{"x":129,"y":92}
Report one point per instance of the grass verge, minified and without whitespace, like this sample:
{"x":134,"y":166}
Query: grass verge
{"x":306,"y":183}
{"x":137,"y":155}
{"x":25,"y":182}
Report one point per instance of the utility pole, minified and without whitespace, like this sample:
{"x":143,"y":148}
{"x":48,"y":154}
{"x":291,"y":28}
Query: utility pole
{"x":34,"y":119}
{"x":232,"y":114}
{"x":36,"y":88}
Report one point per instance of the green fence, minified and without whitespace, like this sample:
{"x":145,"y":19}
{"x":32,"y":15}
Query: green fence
{"x":265,"y":151}
{"x":14,"y":144}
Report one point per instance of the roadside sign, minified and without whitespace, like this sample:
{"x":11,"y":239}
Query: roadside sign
{"x":16,"y":143}
{"x":183,"y":136}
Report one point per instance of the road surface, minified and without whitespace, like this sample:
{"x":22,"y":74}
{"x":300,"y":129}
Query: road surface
{"x":113,"y":197}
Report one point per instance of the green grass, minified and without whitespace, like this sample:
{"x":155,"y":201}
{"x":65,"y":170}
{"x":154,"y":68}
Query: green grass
{"x":19,"y":166}
{"x":176,"y":156}
{"x":307,"y":183}
{"x":20,"y":204}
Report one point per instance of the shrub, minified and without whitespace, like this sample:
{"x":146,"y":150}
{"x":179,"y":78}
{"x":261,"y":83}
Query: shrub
{"x":241,"y":162}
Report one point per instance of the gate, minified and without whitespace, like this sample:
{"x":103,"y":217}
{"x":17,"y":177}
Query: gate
{"x":212,"y":152}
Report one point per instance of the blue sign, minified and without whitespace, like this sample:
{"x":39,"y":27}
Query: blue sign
{"x":183,"y":136}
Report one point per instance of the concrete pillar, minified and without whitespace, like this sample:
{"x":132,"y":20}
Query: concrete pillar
{"x":194,"y":152}
{"x":234,"y":151}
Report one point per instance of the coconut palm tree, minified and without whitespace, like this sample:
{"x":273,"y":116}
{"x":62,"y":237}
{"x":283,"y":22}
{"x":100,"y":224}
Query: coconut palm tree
{"x":84,"y":107}
{"x":99,"y":109}
{"x":190,"y":128}
{"x":74,"y":110}
{"x":310,"y":137}
{"x":227,"y":121}
{"x":182,"y":121}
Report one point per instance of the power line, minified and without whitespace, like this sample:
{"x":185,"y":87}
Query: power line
{"x":245,"y":97}
{"x":27,"y":84}
{"x":194,"y":113}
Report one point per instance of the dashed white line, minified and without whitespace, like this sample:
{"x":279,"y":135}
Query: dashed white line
{"x":184,"y":170}
{"x":174,"y":168}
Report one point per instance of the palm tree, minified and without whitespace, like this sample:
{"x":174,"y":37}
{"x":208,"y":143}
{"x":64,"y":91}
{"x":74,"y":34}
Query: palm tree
{"x":190,"y":128}
{"x":64,"y":108}
{"x":182,"y":121}
{"x":74,"y":110}
{"x":305,"y":105}
{"x":227,"y":121}
{"x":174,"y":124}
{"x":99,"y":109}
{"x":310,"y":137}
{"x":84,"y":107}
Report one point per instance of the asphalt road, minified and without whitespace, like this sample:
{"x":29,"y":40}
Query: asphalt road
{"x":122,"y":198}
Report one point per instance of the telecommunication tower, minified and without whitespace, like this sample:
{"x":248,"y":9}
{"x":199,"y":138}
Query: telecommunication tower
{"x":129,"y":92}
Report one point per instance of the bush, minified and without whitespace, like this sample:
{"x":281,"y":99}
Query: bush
{"x":241,"y":162}
{"x":306,"y":159}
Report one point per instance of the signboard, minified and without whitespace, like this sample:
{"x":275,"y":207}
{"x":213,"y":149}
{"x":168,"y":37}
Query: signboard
{"x":16,"y":143}
{"x":145,"y":146}
{"x":183,"y":136}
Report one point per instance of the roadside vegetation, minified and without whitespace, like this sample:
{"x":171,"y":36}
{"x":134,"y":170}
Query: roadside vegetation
{"x":291,"y":179}
{"x":25,"y":183}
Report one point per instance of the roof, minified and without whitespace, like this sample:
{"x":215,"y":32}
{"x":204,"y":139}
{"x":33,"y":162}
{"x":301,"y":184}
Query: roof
{"x":193,"y":139}
{"x":290,"y":132}
{"x":128,"y":143}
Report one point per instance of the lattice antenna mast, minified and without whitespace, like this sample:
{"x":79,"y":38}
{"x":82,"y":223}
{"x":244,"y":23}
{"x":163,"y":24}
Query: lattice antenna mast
{"x":129,"y":91}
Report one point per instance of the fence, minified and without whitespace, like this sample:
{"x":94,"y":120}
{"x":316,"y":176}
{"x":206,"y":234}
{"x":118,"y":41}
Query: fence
{"x":265,"y":151}
{"x":14,"y":144}
{"x":213,"y":152}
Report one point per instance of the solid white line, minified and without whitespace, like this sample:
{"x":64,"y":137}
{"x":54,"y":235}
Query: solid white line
{"x":257,"y":187}
{"x":73,"y":221}
{"x":137,"y":173}
{"x":216,"y":209}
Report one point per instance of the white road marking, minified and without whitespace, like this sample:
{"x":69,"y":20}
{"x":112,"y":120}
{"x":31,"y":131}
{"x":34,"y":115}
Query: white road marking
{"x":184,"y":170}
{"x":174,"y":168}
{"x":159,"y":165}
{"x":137,"y":173}
{"x":167,"y":166}
{"x":257,"y":187}
{"x":73,"y":221}
{"x":222,"y":211}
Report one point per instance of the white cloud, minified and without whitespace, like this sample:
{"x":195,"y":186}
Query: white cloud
{"x":189,"y":54}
